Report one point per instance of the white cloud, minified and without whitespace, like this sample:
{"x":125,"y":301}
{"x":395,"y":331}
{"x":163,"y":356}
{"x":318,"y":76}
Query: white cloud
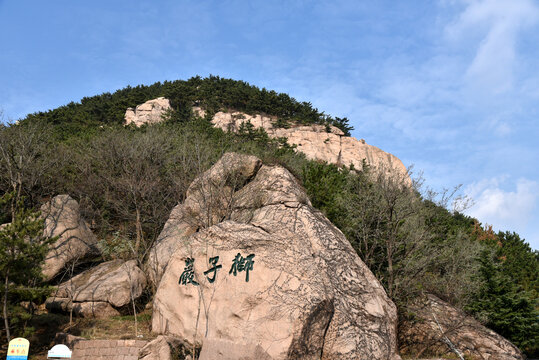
{"x":496,"y":24}
{"x":506,"y":209}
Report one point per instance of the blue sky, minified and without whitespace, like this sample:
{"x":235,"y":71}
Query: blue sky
{"x":450,"y":86}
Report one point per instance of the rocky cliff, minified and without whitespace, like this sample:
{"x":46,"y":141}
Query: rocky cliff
{"x":317,"y":142}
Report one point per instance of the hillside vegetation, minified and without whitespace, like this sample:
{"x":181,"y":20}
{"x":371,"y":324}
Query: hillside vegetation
{"x":127,"y":180}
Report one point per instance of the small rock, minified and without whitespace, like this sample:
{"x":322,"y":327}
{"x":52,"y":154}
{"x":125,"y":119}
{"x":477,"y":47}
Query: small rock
{"x":67,"y":339}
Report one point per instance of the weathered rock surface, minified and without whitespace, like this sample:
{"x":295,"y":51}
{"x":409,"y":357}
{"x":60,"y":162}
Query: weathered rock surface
{"x":207,"y":202}
{"x":228,"y":350}
{"x":164,"y":348}
{"x":317,"y":142}
{"x":89,"y":309}
{"x":103,"y":288}
{"x":67,"y":339}
{"x":306,"y":295}
{"x":151,"y":112}
{"x":423,"y":335}
{"x":76,"y":242}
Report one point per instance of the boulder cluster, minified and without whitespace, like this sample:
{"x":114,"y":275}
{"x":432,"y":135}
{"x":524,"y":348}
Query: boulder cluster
{"x":100,"y":291}
{"x":151,"y":112}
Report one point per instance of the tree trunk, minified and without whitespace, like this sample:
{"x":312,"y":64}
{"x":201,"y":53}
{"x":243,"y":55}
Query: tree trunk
{"x":390,"y":243}
{"x":390,"y":268}
{"x":446,"y":340}
{"x":6,"y":321}
{"x":135,"y":313}
{"x":139,"y":233}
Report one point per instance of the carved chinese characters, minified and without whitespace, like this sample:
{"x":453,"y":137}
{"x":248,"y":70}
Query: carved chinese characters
{"x":239,"y":264}
{"x":213,"y":261}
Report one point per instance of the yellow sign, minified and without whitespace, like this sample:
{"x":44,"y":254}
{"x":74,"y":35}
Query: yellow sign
{"x":18,"y":349}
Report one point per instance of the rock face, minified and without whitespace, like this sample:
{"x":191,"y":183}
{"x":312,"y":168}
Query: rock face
{"x":317,"y":142}
{"x":227,"y":350}
{"x":76,"y":241}
{"x":207,"y":202}
{"x":150,"y":112}
{"x":164,"y":348}
{"x":98,"y":291}
{"x":266,"y":268}
{"x":423,"y":335}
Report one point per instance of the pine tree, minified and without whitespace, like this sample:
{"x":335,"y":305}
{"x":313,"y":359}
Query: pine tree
{"x":505,"y":309}
{"x":22,"y":251}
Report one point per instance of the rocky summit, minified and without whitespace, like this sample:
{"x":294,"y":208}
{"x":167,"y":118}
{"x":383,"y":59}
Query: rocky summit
{"x":266,"y":270}
{"x":317,"y":142}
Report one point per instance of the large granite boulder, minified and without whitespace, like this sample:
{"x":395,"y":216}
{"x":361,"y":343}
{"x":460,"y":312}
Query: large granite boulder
{"x":101,"y":290}
{"x":208,"y":201}
{"x":273,"y":272}
{"x":76,"y":242}
{"x":437,"y":326}
{"x":150,"y":112}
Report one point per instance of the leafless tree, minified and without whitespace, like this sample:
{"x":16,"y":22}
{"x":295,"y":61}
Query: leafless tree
{"x":24,"y":158}
{"x":70,"y":287}
{"x":386,"y":223}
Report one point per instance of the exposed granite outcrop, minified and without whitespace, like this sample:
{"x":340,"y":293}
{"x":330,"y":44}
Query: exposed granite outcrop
{"x":317,"y":142}
{"x":150,"y":112}
{"x":298,"y":289}
{"x":436,"y":326}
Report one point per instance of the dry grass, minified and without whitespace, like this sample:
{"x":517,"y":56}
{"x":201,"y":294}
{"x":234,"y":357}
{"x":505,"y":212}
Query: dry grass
{"x":117,"y":327}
